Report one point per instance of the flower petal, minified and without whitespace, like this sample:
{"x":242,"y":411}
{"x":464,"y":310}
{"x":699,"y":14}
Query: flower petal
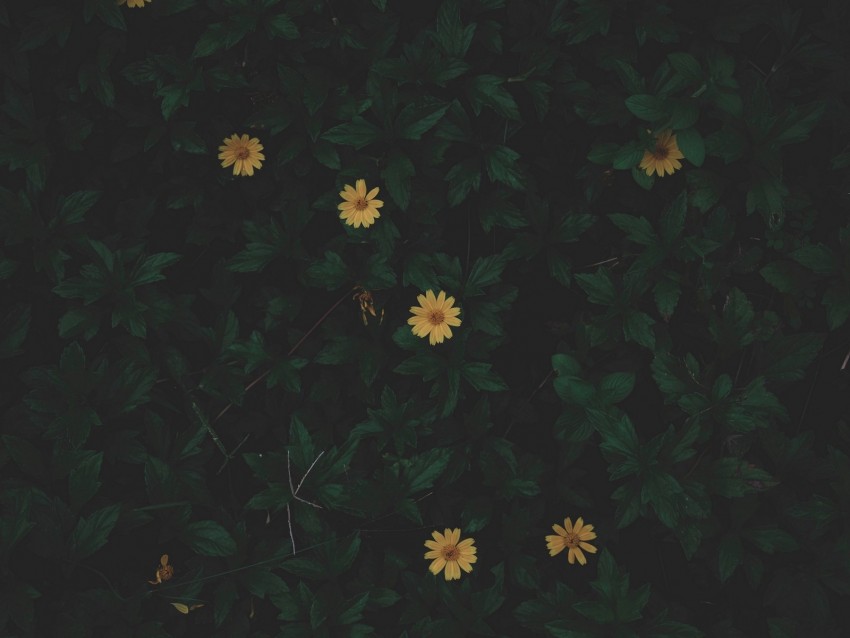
{"x":587,"y":547}
{"x":437,"y":565}
{"x":360,"y":186}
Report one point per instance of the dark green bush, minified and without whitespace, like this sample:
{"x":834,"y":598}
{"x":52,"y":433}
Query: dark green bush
{"x":218,"y":371}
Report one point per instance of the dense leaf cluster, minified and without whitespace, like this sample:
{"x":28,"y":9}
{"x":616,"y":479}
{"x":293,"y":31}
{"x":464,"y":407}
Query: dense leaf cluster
{"x":188,"y":370}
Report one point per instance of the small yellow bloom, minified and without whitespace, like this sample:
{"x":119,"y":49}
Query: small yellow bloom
{"x":243,"y":153}
{"x":450,"y":553}
{"x":358,"y":207}
{"x":133,"y":3}
{"x":433,"y":316}
{"x":664,"y":157}
{"x":573,"y":538}
{"x":164,"y":571}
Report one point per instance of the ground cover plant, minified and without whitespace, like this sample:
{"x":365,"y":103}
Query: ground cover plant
{"x":457,"y":318}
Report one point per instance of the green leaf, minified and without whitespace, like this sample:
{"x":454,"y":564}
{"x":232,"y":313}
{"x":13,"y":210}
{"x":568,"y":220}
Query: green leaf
{"x":817,"y":258}
{"x":208,"y":538}
{"x":617,"y":386}
{"x":796,"y":124}
{"x":83,"y":480}
{"x":687,"y":66}
{"x":150,"y":269}
{"x":91,"y":533}
{"x":423,"y":469}
{"x":330,"y":273}
{"x":451,"y":36}
{"x":326,"y":154}
{"x":771,"y":539}
{"x":73,"y":208}
{"x":619,"y":437}
{"x":732,"y":477}
{"x":14,"y":328}
{"x":281,"y":26}
{"x":599,"y":287}
{"x":222,"y":35}
{"x":488,"y":90}
{"x":628,"y":156}
{"x":482,"y":378}
{"x":705,"y":189}
{"x":485,"y":272}
{"x":647,"y":107}
{"x":397,"y":176}
{"x":785,"y":358}
{"x":501,"y":163}
{"x":691,"y":144}
{"x":573,"y":389}
{"x":730,"y":555}
{"x":638,"y":229}
{"x":637,"y":327}
{"x":416,"y":119}
{"x":603,"y":153}
{"x":462,"y":178}
{"x":357,"y":133}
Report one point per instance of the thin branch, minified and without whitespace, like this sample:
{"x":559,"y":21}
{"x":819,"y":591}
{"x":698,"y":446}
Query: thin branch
{"x":290,"y":353}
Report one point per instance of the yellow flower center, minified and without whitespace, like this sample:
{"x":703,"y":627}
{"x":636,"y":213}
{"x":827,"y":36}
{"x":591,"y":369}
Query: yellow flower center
{"x":571,"y":540}
{"x":661,"y":152}
{"x":436,"y":317}
{"x":450,"y":552}
{"x":361,"y":204}
{"x":243,"y":153}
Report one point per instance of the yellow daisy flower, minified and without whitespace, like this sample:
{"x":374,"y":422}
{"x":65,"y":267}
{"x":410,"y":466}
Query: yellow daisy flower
{"x":433,"y":316}
{"x":450,"y":553}
{"x":572,"y":537}
{"x":664,"y":157}
{"x":243,"y":153}
{"x":133,"y":3}
{"x":359,"y":208}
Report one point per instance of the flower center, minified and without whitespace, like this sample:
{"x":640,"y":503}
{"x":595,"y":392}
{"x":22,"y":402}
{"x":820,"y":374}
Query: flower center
{"x":242,"y":153}
{"x":661,"y":152}
{"x":571,"y":540}
{"x":361,"y":204}
{"x":450,"y":552}
{"x":436,"y":317}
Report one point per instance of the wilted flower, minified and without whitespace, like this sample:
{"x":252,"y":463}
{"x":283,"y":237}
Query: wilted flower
{"x":163,"y":572}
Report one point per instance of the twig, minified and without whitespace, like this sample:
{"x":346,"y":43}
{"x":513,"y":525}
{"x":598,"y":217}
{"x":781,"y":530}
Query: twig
{"x":290,"y":353}
{"x":600,"y":263}
{"x":233,"y":453}
{"x":528,"y":400}
{"x":294,"y":491}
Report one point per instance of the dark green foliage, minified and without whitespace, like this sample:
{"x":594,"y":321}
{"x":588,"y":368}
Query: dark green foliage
{"x":218,"y":369}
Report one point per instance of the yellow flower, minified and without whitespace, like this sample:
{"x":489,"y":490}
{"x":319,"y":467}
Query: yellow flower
{"x":164,"y":571}
{"x":359,"y":208}
{"x":451,"y":553}
{"x":241,"y":152}
{"x":433,"y":316}
{"x":664,"y":157}
{"x":573,"y":538}
{"x":133,"y":3}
